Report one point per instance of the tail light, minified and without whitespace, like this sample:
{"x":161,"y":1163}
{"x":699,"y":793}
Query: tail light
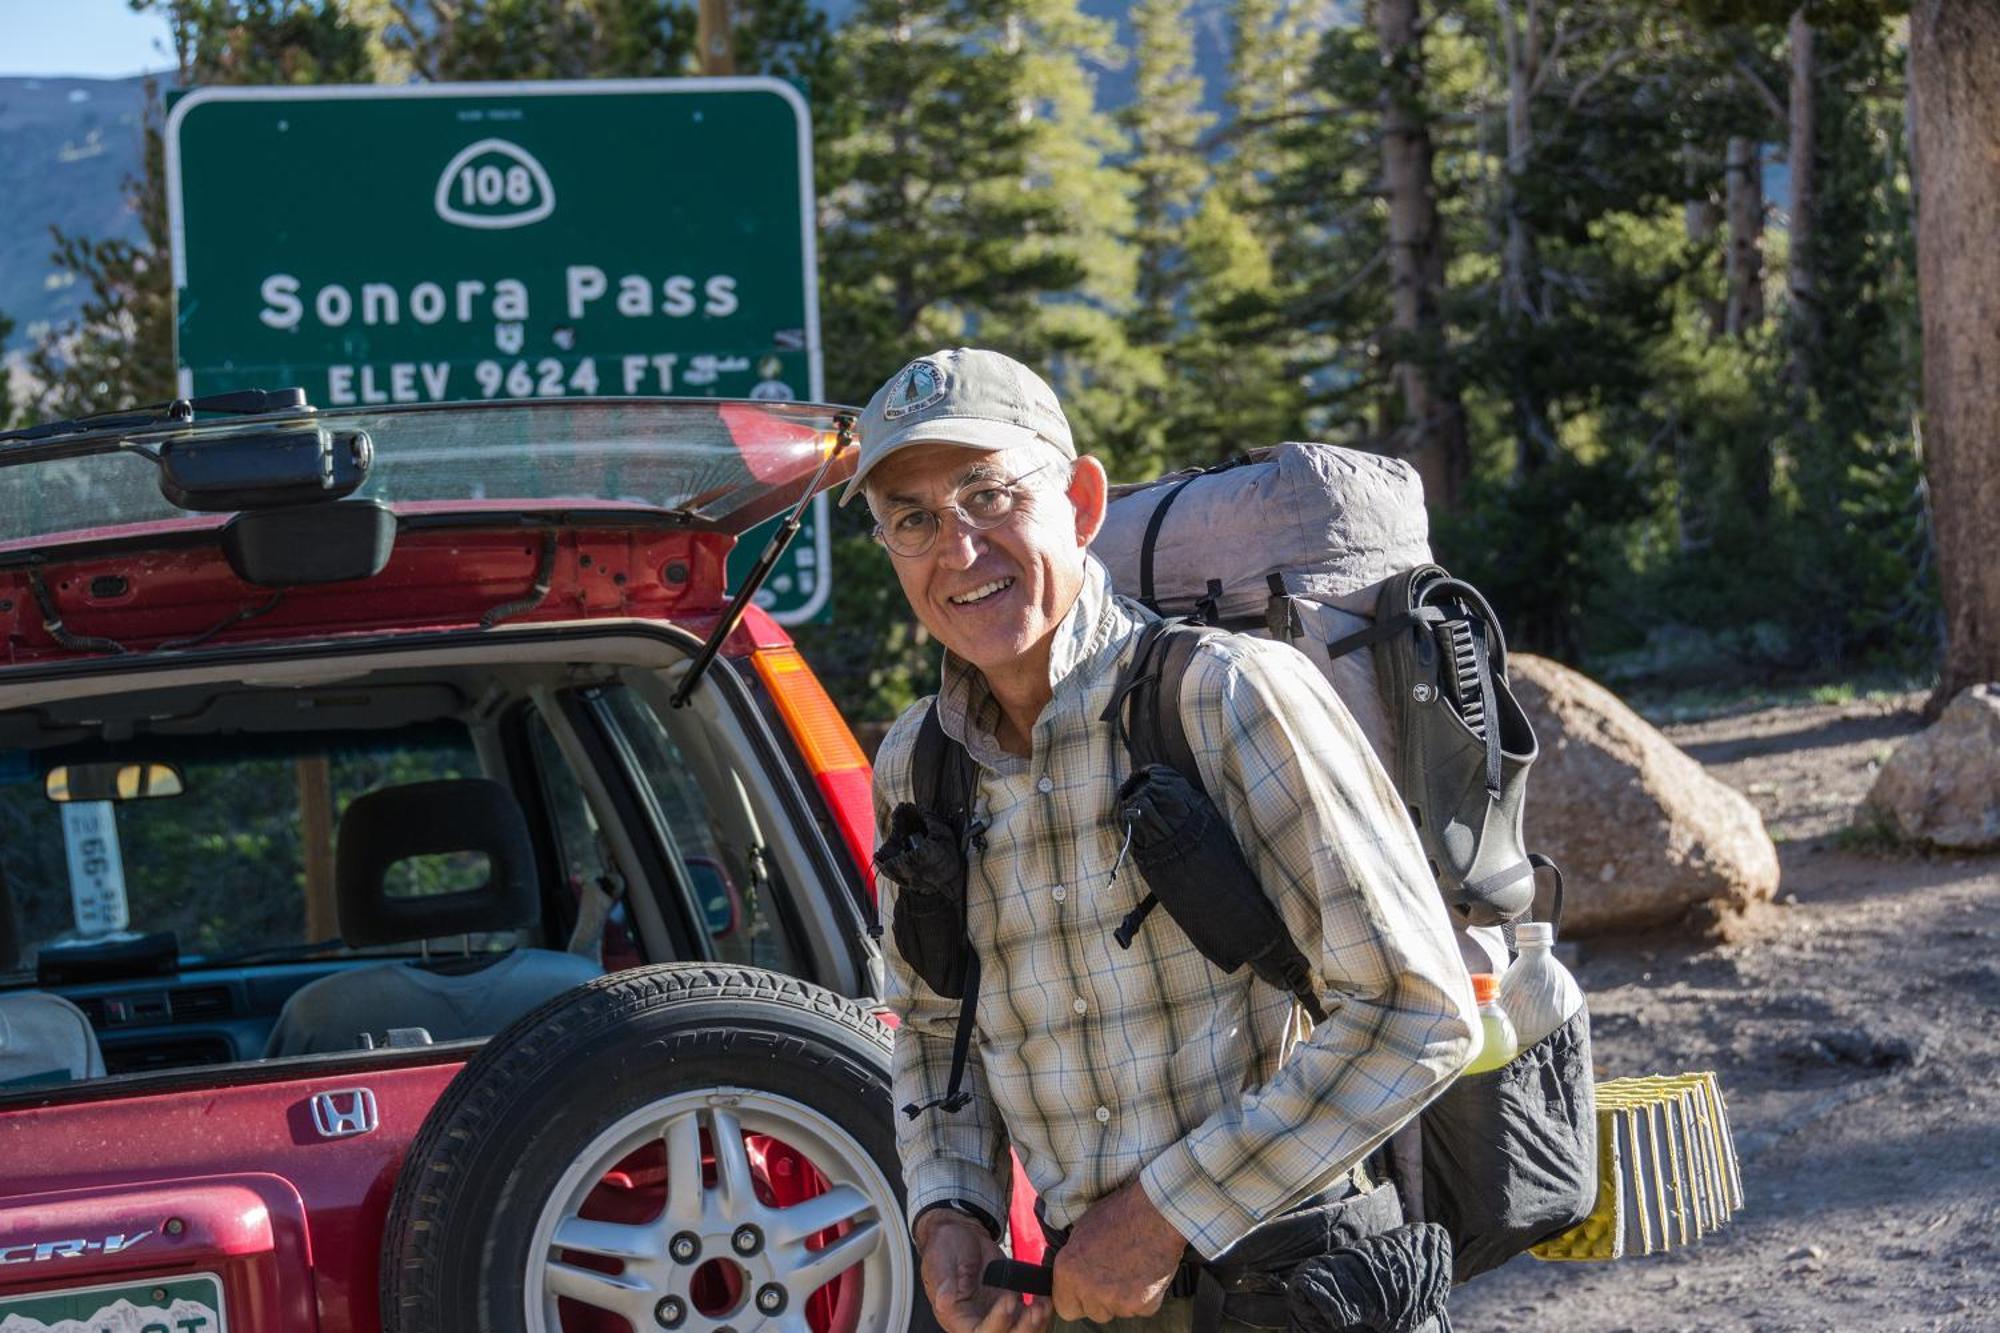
{"x":830,"y":751}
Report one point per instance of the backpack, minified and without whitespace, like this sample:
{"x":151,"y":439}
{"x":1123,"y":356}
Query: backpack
{"x":1328,"y":549}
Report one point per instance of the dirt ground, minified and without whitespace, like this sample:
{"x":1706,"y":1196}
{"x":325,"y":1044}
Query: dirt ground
{"x":1855,"y":1026}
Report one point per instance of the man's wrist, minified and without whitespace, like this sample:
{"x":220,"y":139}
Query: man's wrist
{"x":946,"y":1209}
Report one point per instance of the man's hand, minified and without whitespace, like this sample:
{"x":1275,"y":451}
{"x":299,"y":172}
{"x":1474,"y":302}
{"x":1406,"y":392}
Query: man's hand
{"x":955,"y":1251}
{"x":1119,"y":1261}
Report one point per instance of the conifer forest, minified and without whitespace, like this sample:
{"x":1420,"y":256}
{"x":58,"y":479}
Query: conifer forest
{"x":1634,"y":284}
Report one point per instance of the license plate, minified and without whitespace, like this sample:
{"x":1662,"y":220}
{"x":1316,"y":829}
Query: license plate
{"x":190,"y":1304}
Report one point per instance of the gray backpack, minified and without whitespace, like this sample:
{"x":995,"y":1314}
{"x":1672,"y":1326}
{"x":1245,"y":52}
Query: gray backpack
{"x":1328,"y":548}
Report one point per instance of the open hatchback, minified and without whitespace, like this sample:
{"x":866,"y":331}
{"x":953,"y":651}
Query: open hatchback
{"x":429,"y":898}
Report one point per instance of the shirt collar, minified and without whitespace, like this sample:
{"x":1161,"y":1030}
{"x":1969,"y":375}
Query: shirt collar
{"x":1086,"y":640}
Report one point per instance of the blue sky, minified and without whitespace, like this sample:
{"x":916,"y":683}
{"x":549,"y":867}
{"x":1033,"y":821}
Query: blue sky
{"x":100,"y":38}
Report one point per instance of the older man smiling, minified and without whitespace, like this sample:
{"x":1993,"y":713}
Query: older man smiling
{"x":1159,"y":1105}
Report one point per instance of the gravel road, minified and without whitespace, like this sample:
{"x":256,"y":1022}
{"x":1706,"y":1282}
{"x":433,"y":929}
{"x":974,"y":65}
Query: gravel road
{"x":1855,"y":1026}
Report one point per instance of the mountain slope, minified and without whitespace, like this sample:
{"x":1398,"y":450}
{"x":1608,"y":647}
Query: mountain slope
{"x":66,"y":149}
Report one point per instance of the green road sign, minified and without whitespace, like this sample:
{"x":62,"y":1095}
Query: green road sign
{"x":468,"y":241}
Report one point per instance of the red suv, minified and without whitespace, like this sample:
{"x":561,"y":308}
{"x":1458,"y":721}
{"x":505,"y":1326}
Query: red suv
{"x":427,"y":900}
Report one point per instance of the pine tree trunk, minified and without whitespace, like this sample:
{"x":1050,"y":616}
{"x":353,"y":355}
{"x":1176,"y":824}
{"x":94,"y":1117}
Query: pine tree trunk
{"x":1433,"y":428}
{"x":1745,"y":260}
{"x":1803,"y":316}
{"x":1520,"y":269}
{"x":1702,"y":216}
{"x":1522,"y":41}
{"x":1955,"y":83}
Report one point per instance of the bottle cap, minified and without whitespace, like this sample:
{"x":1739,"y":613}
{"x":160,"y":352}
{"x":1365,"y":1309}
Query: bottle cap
{"x":1485,"y":987}
{"x":1534,"y":932}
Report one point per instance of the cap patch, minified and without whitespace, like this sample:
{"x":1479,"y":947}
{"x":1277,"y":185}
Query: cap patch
{"x":915,"y":388}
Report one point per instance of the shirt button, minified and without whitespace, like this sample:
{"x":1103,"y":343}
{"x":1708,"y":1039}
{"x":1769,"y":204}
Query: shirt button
{"x":1103,"y":1115}
{"x":1045,"y":785}
{"x":1059,"y":893}
{"x":1080,"y":1006}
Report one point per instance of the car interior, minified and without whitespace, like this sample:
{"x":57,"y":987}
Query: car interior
{"x":296,"y":857}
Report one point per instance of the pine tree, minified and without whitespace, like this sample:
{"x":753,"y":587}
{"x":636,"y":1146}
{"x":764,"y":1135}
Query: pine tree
{"x":1156,"y":394}
{"x":1270,"y":90}
{"x":1166,"y":125}
{"x":542,"y":39}
{"x":1430,"y":429}
{"x":965,"y":198}
{"x":968,"y":196}
{"x":264,"y":41}
{"x":1075,"y":336}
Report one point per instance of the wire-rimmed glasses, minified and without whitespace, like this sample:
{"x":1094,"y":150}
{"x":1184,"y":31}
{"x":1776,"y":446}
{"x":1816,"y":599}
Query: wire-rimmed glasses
{"x":982,"y":505}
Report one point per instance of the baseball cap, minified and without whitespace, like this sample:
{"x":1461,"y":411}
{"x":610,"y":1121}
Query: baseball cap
{"x":966,"y":396}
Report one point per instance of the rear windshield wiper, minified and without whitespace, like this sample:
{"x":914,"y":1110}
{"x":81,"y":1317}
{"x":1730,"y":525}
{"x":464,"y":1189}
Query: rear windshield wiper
{"x":240,"y":402}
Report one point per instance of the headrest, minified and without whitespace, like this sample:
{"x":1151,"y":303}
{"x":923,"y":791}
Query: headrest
{"x":433,"y":819}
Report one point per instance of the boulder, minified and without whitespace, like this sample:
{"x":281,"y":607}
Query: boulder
{"x":1642,"y":832}
{"x":1942,"y":786}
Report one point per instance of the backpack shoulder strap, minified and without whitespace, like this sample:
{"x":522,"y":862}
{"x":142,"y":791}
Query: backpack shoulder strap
{"x":927,"y":760}
{"x":941,"y":776}
{"x":942,"y":781}
{"x":1169,"y":738}
{"x":1145,"y":704}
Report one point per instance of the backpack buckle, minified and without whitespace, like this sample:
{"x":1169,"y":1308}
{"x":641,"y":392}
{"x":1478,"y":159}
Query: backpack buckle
{"x":1208,"y":610}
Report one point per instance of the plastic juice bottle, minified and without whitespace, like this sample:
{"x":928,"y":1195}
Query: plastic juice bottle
{"x":1538,"y":992}
{"x":1497,"y":1043}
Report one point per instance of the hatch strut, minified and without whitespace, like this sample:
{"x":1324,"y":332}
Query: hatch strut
{"x":766,"y":562}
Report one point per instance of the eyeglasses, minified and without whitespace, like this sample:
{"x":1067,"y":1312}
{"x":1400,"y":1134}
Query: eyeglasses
{"x":911,"y":530}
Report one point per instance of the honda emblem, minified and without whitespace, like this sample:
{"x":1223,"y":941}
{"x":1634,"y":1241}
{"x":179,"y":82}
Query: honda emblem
{"x":344,"y":1113}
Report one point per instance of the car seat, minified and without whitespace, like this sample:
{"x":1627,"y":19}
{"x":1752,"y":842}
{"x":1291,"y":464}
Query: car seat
{"x":45,"y":1039}
{"x":395,"y":824}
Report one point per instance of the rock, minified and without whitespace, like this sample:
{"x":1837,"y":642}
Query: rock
{"x":1942,"y":786}
{"x":1643,"y":833}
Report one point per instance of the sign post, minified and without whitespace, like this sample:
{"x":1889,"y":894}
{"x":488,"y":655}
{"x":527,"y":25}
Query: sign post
{"x":444,"y":242}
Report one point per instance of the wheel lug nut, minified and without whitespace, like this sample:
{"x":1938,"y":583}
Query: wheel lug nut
{"x":771,"y":1298}
{"x":669,"y":1313}
{"x":685,"y":1247}
{"x":747,"y":1240}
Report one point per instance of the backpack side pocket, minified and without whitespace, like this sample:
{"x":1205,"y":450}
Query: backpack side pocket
{"x":1510,"y":1155}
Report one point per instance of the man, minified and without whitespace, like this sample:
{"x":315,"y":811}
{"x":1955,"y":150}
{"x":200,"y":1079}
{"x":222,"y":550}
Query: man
{"x":1155,"y":1103}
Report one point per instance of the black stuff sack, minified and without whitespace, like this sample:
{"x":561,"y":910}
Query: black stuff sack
{"x":1510,"y":1154}
{"x":923,"y":855}
{"x":1193,"y":867}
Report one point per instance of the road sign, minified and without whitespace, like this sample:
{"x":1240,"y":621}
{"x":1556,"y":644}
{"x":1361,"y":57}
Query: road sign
{"x":503,"y":240}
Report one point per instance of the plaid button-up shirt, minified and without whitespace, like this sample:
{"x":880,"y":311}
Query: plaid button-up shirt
{"x":1101,"y":1063}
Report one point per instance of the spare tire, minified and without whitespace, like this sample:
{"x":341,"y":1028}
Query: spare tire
{"x":683,"y":1147}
